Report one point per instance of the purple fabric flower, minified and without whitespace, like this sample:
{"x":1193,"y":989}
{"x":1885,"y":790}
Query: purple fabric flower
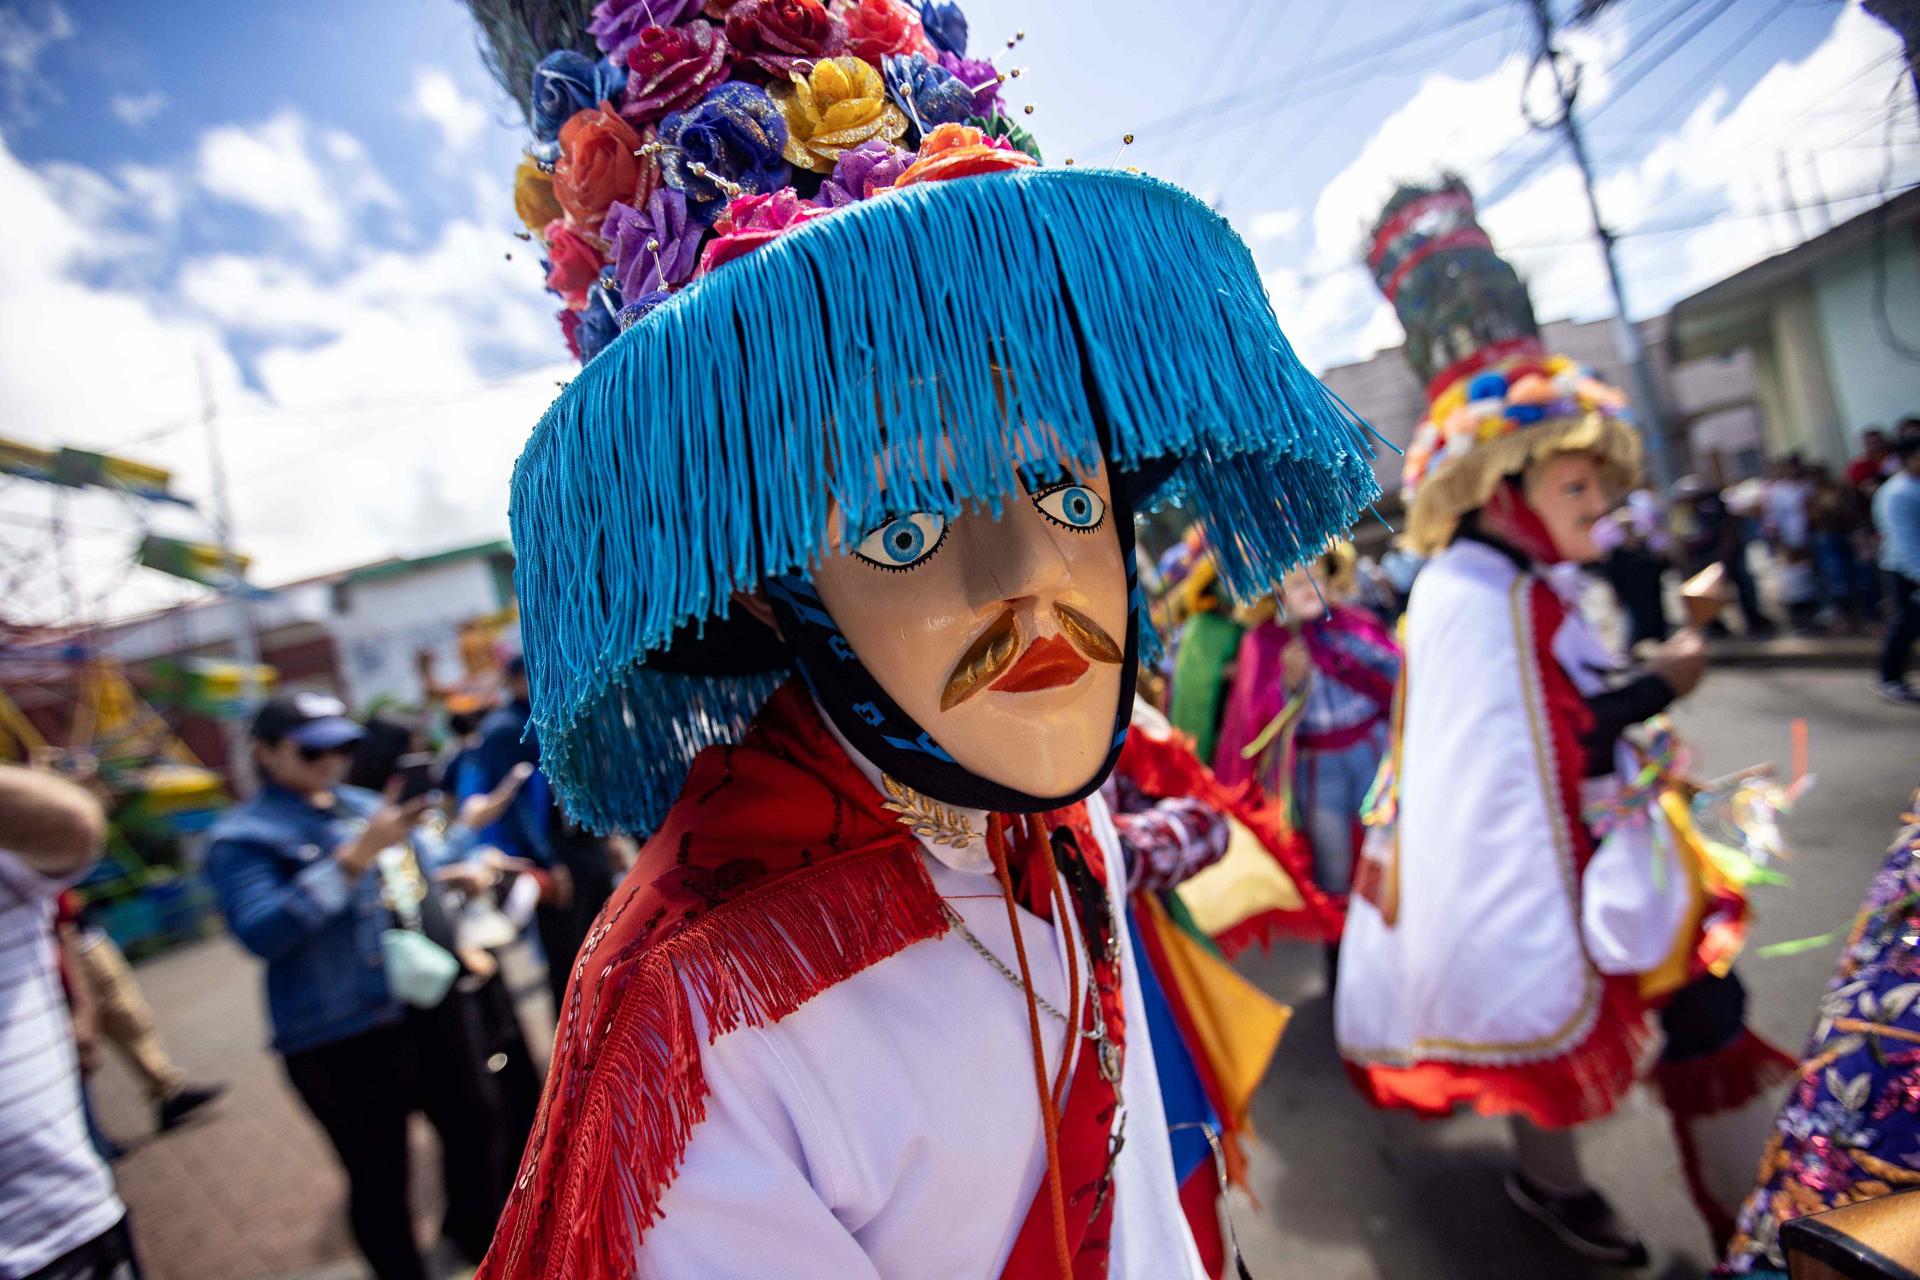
{"x":738,"y":134}
{"x":633,"y":312}
{"x":930,"y":95}
{"x":617,"y":24}
{"x":945,"y":25}
{"x":978,"y":75}
{"x":653,"y":247}
{"x":863,"y":172}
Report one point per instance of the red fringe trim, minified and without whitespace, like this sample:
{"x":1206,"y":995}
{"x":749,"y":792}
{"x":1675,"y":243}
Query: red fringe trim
{"x":634,"y":1072}
{"x":1583,"y":1084}
{"x":1168,"y":767}
{"x":1725,"y":1080}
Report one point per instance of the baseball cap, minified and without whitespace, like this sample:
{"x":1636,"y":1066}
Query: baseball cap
{"x":317,"y":721}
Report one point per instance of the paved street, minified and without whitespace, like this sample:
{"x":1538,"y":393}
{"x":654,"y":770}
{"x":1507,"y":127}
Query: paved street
{"x":1351,"y":1194}
{"x":1345,"y":1194}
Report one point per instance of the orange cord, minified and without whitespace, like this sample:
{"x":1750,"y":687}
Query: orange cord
{"x":997,"y":828}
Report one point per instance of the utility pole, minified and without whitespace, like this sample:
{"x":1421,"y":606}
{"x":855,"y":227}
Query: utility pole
{"x":1793,"y":202}
{"x":246,"y":641}
{"x":1566,"y":84}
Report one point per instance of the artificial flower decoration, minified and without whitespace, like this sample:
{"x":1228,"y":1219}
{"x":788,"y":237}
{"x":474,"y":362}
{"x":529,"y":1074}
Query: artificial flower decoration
{"x":573,"y":264}
{"x":960,"y":151}
{"x":671,"y":68}
{"x":929,"y":94}
{"x":570,"y":330}
{"x":734,"y":134}
{"x":654,"y":246}
{"x":978,"y":75}
{"x":631,"y":313}
{"x":567,"y":83}
{"x":1001,"y":129}
{"x":752,"y":221}
{"x":840,"y":105}
{"x":692,"y":104}
{"x":876,"y":28}
{"x":781,"y":37}
{"x":618,"y":24}
{"x":533,"y":197}
{"x":945,"y":25}
{"x":598,"y":164}
{"x":599,"y":320}
{"x":862,"y":173}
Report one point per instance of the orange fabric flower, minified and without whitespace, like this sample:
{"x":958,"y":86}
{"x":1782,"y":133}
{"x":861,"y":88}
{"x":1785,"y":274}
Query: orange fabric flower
{"x":533,"y":197}
{"x":597,"y":165}
{"x":959,"y":151}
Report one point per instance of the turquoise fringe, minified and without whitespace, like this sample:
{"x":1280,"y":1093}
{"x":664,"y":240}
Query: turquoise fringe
{"x":698,"y":454}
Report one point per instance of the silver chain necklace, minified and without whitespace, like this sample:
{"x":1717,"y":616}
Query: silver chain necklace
{"x":1097,"y":1033}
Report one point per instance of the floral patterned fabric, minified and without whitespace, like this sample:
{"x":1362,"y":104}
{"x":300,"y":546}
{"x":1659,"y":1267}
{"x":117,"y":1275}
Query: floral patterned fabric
{"x":1850,"y":1129}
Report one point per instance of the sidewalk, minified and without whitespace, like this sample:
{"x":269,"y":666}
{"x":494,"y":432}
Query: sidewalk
{"x":251,"y":1191}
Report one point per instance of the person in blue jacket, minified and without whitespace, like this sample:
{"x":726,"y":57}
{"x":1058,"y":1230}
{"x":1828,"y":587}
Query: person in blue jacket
{"x":578,"y":864}
{"x":307,"y":873}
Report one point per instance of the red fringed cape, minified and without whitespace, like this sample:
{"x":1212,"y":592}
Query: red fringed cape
{"x":1165,"y":767}
{"x":775,"y":876}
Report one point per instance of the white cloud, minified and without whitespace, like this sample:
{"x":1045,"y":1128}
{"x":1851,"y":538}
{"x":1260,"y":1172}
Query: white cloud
{"x":379,"y":420}
{"x":1274,"y":224}
{"x":26,"y":32}
{"x":436,"y":98}
{"x":138,"y":110}
{"x":1716,"y":166}
{"x":273,"y":167}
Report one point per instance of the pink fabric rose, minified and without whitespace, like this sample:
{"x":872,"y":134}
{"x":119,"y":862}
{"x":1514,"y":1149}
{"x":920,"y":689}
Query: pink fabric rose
{"x":876,"y":28}
{"x":780,"y":37}
{"x":573,"y":264}
{"x":672,"y":68}
{"x":752,"y":221}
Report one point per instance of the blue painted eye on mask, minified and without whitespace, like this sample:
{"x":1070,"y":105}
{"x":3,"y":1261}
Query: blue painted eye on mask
{"x":1072,"y":506}
{"x":904,"y":541}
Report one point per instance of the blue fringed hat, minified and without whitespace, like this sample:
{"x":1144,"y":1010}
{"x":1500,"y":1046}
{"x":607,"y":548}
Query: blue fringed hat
{"x":808,"y":259}
{"x":1093,"y":313}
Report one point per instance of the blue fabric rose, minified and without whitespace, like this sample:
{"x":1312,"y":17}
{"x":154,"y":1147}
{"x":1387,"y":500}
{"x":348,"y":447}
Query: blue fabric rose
{"x":566,"y":82}
{"x":737,"y":133}
{"x":600,"y":321}
{"x":632,"y":312}
{"x":929,"y":94}
{"x":945,"y":25}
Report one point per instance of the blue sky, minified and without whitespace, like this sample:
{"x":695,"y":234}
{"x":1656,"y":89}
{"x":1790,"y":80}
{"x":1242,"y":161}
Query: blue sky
{"x":311,"y":201}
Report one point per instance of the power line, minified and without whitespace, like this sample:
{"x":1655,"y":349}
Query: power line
{"x":1716,"y":64}
{"x":1617,"y":92}
{"x":1341,"y":60}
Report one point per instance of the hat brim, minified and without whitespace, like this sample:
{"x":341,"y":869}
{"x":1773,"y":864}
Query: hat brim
{"x":327,"y":734}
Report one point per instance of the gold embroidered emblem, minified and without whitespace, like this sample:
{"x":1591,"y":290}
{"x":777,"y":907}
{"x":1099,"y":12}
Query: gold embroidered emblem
{"x":929,"y":820}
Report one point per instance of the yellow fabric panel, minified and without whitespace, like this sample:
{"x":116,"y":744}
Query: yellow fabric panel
{"x":1244,"y":883}
{"x":1671,"y":973}
{"x":1239,"y":1025}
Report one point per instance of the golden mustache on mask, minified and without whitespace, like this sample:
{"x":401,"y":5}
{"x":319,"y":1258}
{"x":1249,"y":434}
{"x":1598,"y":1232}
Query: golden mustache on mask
{"x":997,"y":648}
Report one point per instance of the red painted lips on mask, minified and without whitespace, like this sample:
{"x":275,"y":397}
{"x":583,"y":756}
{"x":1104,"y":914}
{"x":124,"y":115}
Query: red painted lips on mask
{"x":1048,"y":663}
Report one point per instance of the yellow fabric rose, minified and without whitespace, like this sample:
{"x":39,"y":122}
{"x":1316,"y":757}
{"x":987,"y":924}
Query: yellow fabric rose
{"x":533,"y":197}
{"x":839,"y":105}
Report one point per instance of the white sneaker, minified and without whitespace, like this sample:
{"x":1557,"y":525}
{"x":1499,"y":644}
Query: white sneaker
{"x":1900,"y":691}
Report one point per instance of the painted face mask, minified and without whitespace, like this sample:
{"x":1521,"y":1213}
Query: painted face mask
{"x":984,"y":659}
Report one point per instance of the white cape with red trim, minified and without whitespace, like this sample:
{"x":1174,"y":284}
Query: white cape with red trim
{"x":1486,"y":962}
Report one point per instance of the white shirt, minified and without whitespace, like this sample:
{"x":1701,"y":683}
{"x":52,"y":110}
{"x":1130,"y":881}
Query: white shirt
{"x":890,"y":1127}
{"x":55,"y":1194}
